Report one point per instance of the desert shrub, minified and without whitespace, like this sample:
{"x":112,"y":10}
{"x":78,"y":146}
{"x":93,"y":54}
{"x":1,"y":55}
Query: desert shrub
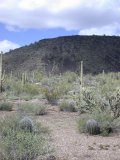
{"x":31,"y":89}
{"x":90,"y":99}
{"x":82,"y":125}
{"x":17,"y":87}
{"x":20,"y":144}
{"x":5,"y":106}
{"x":105,"y":128}
{"x":67,"y":105}
{"x":52,"y":95}
{"x":70,"y":76}
{"x":64,"y":87}
{"x":38,"y":76}
{"x":41,"y":110}
{"x":103,"y":120}
{"x":32,"y":108}
{"x":25,"y":96}
{"x":106,"y":121}
{"x":86,"y":100}
{"x":114,"y":102}
{"x":26,"y":108}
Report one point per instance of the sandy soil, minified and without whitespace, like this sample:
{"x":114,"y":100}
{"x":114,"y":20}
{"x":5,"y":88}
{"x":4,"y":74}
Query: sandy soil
{"x":71,"y":145}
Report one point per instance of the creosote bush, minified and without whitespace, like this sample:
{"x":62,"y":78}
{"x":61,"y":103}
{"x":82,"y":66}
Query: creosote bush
{"x":67,"y":105}
{"x":5,"y":106}
{"x":52,"y":95}
{"x":31,"y":89}
{"x":106,"y":121}
{"x":41,"y":110}
{"x":82,"y":125}
{"x":32,"y":109}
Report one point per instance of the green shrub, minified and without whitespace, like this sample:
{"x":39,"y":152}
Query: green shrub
{"x":17,"y":88}
{"x":31,"y":89}
{"x":41,"y":110}
{"x":52,"y":95}
{"x":70,"y":76}
{"x":32,"y":108}
{"x":25,"y":96}
{"x":67,"y":105}
{"x":114,"y":102}
{"x":105,"y":128}
{"x":5,"y":106}
{"x":106,"y":121}
{"x":17,"y":143}
{"x":86,"y":100}
{"x":82,"y":125}
{"x":26,"y":108}
{"x":103,"y":120}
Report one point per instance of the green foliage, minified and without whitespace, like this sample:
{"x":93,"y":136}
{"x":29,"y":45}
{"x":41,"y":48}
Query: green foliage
{"x":5,"y":106}
{"x":67,"y":105}
{"x":114,"y":102}
{"x":20,"y":144}
{"x":87,"y":100}
{"x":17,"y":88}
{"x":32,"y":109}
{"x":106,"y":121}
{"x":31,"y":89}
{"x":82,"y":125}
{"x":41,"y":110}
{"x":70,"y":76}
{"x":52,"y":95}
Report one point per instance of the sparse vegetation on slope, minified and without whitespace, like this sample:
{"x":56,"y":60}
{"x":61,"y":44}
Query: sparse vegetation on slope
{"x":65,"y":53}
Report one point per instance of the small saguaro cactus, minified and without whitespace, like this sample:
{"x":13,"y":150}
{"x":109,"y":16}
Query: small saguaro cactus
{"x":24,"y":78}
{"x":81,"y":74}
{"x":103,"y":74}
{"x":2,"y":75}
{"x":11,"y":75}
{"x":33,"y":76}
{"x":92,"y":127}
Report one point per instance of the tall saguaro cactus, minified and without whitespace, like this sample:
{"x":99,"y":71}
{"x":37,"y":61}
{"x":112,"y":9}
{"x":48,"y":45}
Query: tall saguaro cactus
{"x":23,"y":78}
{"x":2,"y":75}
{"x":81,"y":74}
{"x":81,"y":80}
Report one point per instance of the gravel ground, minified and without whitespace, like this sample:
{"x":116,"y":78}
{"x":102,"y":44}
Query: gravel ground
{"x":71,"y":145}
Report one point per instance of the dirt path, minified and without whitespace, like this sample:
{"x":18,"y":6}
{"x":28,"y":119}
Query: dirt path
{"x":71,"y":145}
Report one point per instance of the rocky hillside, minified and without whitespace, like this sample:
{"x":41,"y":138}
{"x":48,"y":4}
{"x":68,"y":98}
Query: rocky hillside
{"x":65,"y":53}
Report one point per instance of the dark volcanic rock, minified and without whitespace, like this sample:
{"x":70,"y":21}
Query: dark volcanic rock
{"x":98,"y":53}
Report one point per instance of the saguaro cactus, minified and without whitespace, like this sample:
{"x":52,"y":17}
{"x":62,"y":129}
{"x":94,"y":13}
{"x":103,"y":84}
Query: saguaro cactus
{"x":103,"y":74}
{"x":2,"y":75}
{"x":33,"y":76}
{"x":24,"y":78}
{"x":81,"y":74}
{"x":11,"y":75}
